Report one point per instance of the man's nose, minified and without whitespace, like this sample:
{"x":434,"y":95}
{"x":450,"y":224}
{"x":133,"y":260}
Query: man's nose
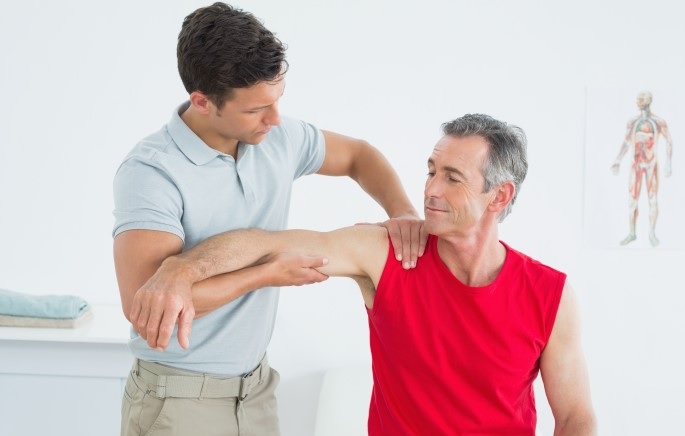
{"x":273,"y":116}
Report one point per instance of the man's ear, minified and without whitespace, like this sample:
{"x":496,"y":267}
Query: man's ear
{"x":503,"y":195}
{"x":200,"y":102}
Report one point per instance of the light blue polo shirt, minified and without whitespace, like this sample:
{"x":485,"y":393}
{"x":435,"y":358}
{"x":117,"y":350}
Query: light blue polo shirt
{"x":172,"y":181}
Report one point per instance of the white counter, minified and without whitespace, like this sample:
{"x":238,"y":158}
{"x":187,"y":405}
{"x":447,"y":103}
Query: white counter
{"x":107,"y":326}
{"x":65,"y":381}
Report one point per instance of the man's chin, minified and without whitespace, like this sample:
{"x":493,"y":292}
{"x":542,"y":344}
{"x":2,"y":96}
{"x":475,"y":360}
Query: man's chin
{"x":256,"y":139}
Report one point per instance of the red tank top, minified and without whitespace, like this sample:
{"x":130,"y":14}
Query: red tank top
{"x":449,"y":359}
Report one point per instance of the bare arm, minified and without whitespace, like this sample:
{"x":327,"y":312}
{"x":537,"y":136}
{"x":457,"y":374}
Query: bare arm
{"x":564,"y":373}
{"x":352,"y":251}
{"x":139,"y":253}
{"x":282,"y":269}
{"x":344,"y":250}
{"x":371,"y":170}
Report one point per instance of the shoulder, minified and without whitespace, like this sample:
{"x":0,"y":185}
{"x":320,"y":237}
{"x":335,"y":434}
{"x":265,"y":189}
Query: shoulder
{"x":147,"y":164}
{"x":523,"y":261}
{"x":148,"y":149}
{"x":367,"y":244}
{"x":542,"y":284}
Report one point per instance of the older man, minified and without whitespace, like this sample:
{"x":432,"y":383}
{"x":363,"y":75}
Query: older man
{"x":457,"y":341}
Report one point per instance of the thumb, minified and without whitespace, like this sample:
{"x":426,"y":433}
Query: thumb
{"x":315,"y":261}
{"x":185,"y":327}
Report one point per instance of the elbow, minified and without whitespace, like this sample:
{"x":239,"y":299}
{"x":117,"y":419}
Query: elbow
{"x":582,"y":424}
{"x":126,"y":305}
{"x":126,"y":309}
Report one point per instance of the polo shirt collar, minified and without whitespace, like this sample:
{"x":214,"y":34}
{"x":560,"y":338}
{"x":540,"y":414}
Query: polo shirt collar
{"x":187,"y":141}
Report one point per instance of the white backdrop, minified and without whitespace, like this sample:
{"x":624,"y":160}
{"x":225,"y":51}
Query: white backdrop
{"x":83,"y":81}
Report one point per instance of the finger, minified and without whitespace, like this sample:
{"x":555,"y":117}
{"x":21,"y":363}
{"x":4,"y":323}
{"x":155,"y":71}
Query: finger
{"x":311,"y":275}
{"x":423,"y":238}
{"x":166,"y":327}
{"x":395,"y":237}
{"x":408,"y":261}
{"x":141,"y":322}
{"x":185,"y":326}
{"x":415,"y":242}
{"x":319,"y":277}
{"x":314,"y":261}
{"x":153,"y":322}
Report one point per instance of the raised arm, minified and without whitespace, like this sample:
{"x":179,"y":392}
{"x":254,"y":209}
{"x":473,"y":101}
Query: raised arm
{"x":362,"y":162}
{"x":139,"y":253}
{"x":352,"y":251}
{"x":564,"y":373}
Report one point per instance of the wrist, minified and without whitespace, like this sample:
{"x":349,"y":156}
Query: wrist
{"x":265,"y":275}
{"x":180,"y":270}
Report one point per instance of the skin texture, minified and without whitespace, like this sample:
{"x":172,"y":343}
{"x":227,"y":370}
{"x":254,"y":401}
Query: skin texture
{"x":464,"y":218}
{"x":247,"y":117}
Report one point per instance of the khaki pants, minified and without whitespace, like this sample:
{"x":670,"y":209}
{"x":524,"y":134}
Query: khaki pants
{"x":164,"y":401}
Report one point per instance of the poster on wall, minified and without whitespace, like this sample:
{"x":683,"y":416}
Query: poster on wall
{"x":635,"y":168}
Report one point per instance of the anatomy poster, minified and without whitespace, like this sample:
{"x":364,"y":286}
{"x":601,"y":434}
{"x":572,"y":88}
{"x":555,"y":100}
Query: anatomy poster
{"x":635,"y":168}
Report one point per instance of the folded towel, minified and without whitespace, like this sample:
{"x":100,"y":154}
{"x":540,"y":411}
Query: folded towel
{"x":42,"y":306}
{"x":28,"y":321}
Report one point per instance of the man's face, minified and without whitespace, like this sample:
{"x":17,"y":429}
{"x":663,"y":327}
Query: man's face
{"x":250,"y":113}
{"x":454,"y":201}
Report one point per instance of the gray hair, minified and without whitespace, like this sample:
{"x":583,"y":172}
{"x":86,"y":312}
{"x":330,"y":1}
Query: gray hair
{"x":506,"y":160}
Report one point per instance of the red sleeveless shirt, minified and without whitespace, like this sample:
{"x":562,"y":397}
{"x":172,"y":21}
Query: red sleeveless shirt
{"x":450,"y":359}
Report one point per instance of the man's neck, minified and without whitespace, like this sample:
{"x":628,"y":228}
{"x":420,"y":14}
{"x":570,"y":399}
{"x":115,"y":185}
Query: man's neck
{"x":475,"y":260}
{"x":200,"y":126}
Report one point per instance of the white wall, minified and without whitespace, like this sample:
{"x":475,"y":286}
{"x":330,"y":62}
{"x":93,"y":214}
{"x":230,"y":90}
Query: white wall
{"x":83,"y":80}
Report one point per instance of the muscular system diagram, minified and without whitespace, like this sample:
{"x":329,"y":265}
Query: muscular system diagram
{"x":642,"y":136}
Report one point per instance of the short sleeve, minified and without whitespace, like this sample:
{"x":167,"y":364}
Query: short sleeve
{"x":145,"y":198}
{"x":309,"y":146}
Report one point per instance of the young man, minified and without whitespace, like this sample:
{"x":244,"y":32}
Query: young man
{"x":225,"y":160}
{"x":456,"y":342}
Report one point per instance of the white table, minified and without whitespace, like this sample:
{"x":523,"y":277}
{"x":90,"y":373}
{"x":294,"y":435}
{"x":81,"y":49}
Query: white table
{"x":65,"y":381}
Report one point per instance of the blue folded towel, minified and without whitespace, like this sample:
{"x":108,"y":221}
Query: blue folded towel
{"x":42,"y":306}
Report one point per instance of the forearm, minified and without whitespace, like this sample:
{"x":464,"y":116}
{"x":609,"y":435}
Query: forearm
{"x":376,"y":176}
{"x":183,"y":281}
{"x":214,"y":292}
{"x":222,"y":253}
{"x":237,"y":249}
